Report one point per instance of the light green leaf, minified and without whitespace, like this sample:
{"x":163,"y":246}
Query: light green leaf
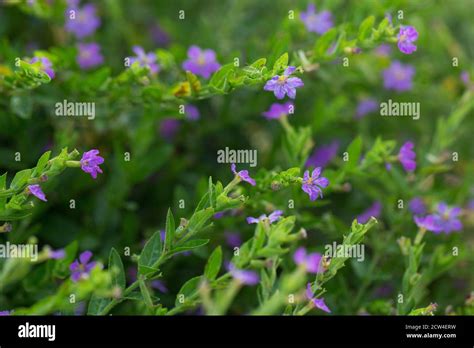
{"x":150,"y":254}
{"x":213,"y":264}
{"x":116,"y":268}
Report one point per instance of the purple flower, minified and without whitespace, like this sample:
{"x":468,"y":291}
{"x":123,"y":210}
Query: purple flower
{"x":323,"y":155}
{"x":313,"y":184}
{"x":45,"y":65}
{"x":233,"y":239}
{"x":36,"y":191}
{"x":448,"y":218}
{"x":243,"y":175}
{"x":145,"y":59}
{"x":417,"y":206}
{"x":398,"y":77}
{"x":5,"y":313}
{"x":191,"y":112}
{"x":201,"y":62}
{"x":366,"y":106}
{"x":85,"y":21}
{"x":279,"y":110}
{"x":56,"y":254}
{"x":428,"y":223}
{"x":319,"y":303}
{"x":383,"y":50}
{"x":89,"y":55}
{"x":244,"y":276}
{"x":316,"y":22}
{"x":159,"y":285}
{"x":284,"y":84}
{"x":311,"y":262}
{"x":406,"y":37}
{"x":168,"y":128}
{"x":90,"y":162}
{"x":80,"y":269}
{"x":159,"y":36}
{"x":276,"y":215}
{"x":407,"y":156}
{"x":374,"y":210}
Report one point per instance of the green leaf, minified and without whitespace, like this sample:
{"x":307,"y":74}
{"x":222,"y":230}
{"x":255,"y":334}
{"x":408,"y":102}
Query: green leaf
{"x":198,"y":220}
{"x":22,"y":106}
{"x":212,"y":195}
{"x":41,"y":164}
{"x":145,"y":293}
{"x":353,"y":151}
{"x":97,"y":304}
{"x":170,"y":230}
{"x":150,"y":254}
{"x":323,"y":43}
{"x":116,"y":268}
{"x":281,"y":63}
{"x":213,"y":264}
{"x":219,"y":80}
{"x":188,"y":289}
{"x":20,"y":179}
{"x":190,"y":245}
{"x":365,"y":28}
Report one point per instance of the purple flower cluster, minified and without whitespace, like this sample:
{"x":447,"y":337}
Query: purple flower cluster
{"x":406,"y":37}
{"x":398,"y":77}
{"x":282,"y":85}
{"x":89,"y":55}
{"x":145,"y":59}
{"x":245,"y":277}
{"x":201,"y":62}
{"x":276,"y":215}
{"x":318,"y":303}
{"x":407,"y":156}
{"x":444,"y":219}
{"x":316,"y":22}
{"x":191,"y":112}
{"x":36,"y":191}
{"x":243,"y":175}
{"x":45,"y":65}
{"x":279,"y":110}
{"x":314,"y":184}
{"x":80,"y":269}
{"x":374,"y":210}
{"x":417,"y":206}
{"x":83,"y":21}
{"x":311,"y":262}
{"x":365,"y":107}
{"x":323,"y":155}
{"x":90,"y":162}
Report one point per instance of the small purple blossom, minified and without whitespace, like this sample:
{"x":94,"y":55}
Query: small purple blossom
{"x":243,"y":175}
{"x":365,"y":107}
{"x":284,"y":84}
{"x":383,"y":50}
{"x":168,"y":128}
{"x":407,"y":156}
{"x":417,"y":206}
{"x":323,"y":155}
{"x":319,"y":303}
{"x":5,"y":313}
{"x":316,"y":22}
{"x":191,"y":112}
{"x":427,"y":222}
{"x":201,"y":62}
{"x":311,"y":262}
{"x":245,"y":277}
{"x":279,"y":110}
{"x":36,"y":191}
{"x":314,"y":184}
{"x":83,"y":21}
{"x":145,"y":59}
{"x":80,"y":269}
{"x":398,"y":77}
{"x":159,"y":36}
{"x":159,"y":285}
{"x":406,"y":37}
{"x":90,"y":162}
{"x":233,"y":239}
{"x":374,"y":210}
{"x":45,"y":65}
{"x":56,"y":254}
{"x":276,"y":215}
{"x":448,"y":218}
{"x":89,"y":55}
